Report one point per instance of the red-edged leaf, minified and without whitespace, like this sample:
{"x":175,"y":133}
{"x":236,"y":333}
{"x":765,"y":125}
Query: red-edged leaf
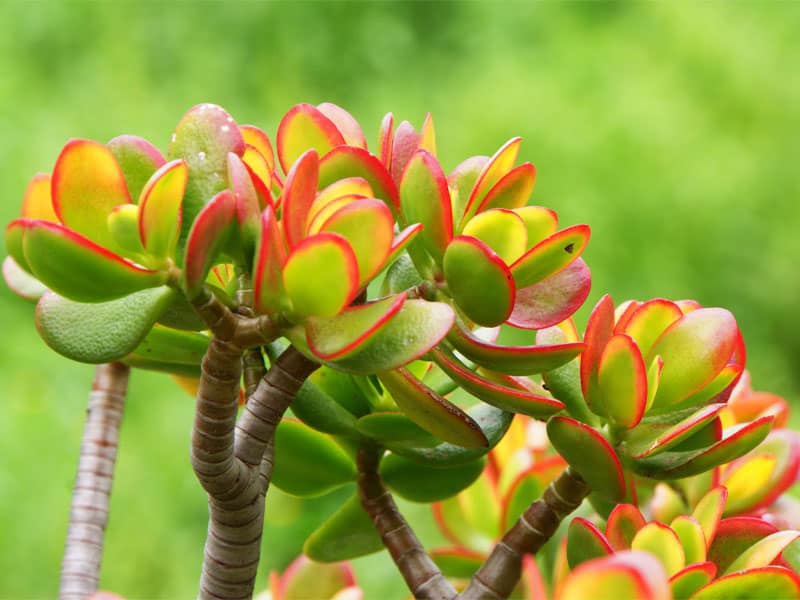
{"x":349,"y":187}
{"x":695,"y":349}
{"x":207,"y":238}
{"x":621,"y":382}
{"x":255,"y":137}
{"x":87,"y":184}
{"x":15,"y":234}
{"x":138,"y":159}
{"x":763,"y":552}
{"x":552,"y":300}
{"x":660,"y":435}
{"x":663,"y":542}
{"x":479,"y":281}
{"x":693,"y":540}
{"x":248,"y":204}
{"x":623,"y":523}
{"x":585,"y":542}
{"x":369,"y":227}
{"x":160,"y":209}
{"x":494,"y":170}
{"x":432,"y":412}
{"x":427,"y":135}
{"x":461,"y":180}
{"x":501,"y":396}
{"x":734,"y":536}
{"x":79,"y":269}
{"x":345,"y":123}
{"x":766,"y":583}
{"x":424,"y":198}
{"x":298,"y":195}
{"x":502,"y":230}
{"x":708,"y":511}
{"x":268,"y":268}
{"x":404,"y":143}
{"x":590,"y":454}
{"x":550,"y":255}
{"x":304,"y":127}
{"x":321,"y":276}
{"x":37,"y":202}
{"x":402,"y":240}
{"x":648,"y":321}
{"x":513,"y":189}
{"x":257,"y":165}
{"x":540,"y":223}
{"x":386,"y":139}
{"x":626,"y":574}
{"x":599,"y":330}
{"x":330,"y":338}
{"x":690,"y":579}
{"x":513,"y":360}
{"x":350,"y":161}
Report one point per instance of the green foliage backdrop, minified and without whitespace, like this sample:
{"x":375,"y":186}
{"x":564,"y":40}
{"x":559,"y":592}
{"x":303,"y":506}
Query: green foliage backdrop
{"x":671,"y":128}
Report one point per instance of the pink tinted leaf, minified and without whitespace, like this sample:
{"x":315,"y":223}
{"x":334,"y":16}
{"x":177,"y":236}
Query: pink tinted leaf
{"x":628,"y":574}
{"x":87,"y":184}
{"x":248,"y":204}
{"x":589,"y":454}
{"x":404,"y":143}
{"x":160,"y":209}
{"x":345,"y":123}
{"x":734,"y":536}
{"x":599,"y":330}
{"x":19,"y":281}
{"x":424,"y":198}
{"x":623,"y":523}
{"x":298,"y":195}
{"x":270,"y":257}
{"x":305,"y":127}
{"x":207,"y":238}
{"x":552,"y":300}
{"x":386,"y":139}
{"x":138,"y":159}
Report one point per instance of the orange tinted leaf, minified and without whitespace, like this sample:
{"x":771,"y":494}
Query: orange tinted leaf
{"x":37,"y":203}
{"x":298,"y":195}
{"x":160,"y":209}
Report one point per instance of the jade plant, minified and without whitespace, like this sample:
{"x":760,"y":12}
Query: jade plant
{"x":337,"y":312}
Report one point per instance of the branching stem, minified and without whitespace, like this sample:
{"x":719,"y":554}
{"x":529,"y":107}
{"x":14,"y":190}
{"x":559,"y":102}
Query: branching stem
{"x":423,"y":577}
{"x":80,"y":569}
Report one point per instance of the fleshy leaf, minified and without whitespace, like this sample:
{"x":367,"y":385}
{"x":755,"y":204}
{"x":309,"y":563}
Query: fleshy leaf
{"x":268,"y":267}
{"x":103,"y":331}
{"x":552,"y":300}
{"x":599,"y":330}
{"x":585,"y":542}
{"x":628,"y":574}
{"x":690,"y":533}
{"x":512,"y":190}
{"x":419,"y":483}
{"x":203,"y":138}
{"x":20,"y":282}
{"x":694,"y":348}
{"x":172,"y":348}
{"x":350,"y":161}
{"x":37,"y":202}
{"x":763,"y":552}
{"x":321,"y":276}
{"x":386,"y":139}
{"x":496,"y":394}
{"x":502,"y":230}
{"x":160,"y":209}
{"x":255,"y":137}
{"x":345,"y":123}
{"x":550,"y":255}
{"x":540,"y":222}
{"x":298,"y":196}
{"x":305,"y":127}
{"x":344,"y":390}
{"x":479,"y":280}
{"x":492,"y":421}
{"x":87,"y":184}
{"x":335,"y":337}
{"x":405,"y":142}
{"x":248,"y":203}
{"x":660,"y":540}
{"x":369,"y":227}
{"x":308,"y":463}
{"x":317,"y":409}
{"x":621,"y":382}
{"x":655,"y":435}
{"x":648,"y":321}
{"x":430,"y":411}
{"x":709,"y":510}
{"x":623,"y":524}
{"x":79,"y":269}
{"x":589,"y":454}
{"x":767,"y":583}
{"x":123,"y":224}
{"x":306,"y":579}
{"x":424,"y":198}
{"x":500,"y":164}
{"x":690,"y":579}
{"x":512,"y":360}
{"x":138,"y":159}
{"x":396,"y":428}
{"x":207,"y":238}
{"x":346,"y":534}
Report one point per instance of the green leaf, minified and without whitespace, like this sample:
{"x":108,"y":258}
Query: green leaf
{"x":521,"y":493}
{"x":430,"y":411}
{"x":172,"y":346}
{"x":658,"y":539}
{"x":589,"y":454}
{"x":763,"y":552}
{"x":550,"y":256}
{"x":621,"y":382}
{"x":511,"y":191}
{"x":623,"y":523}
{"x":493,"y":171}
{"x":687,"y":581}
{"x":458,"y":563}
{"x":649,"y":320}
{"x":767,"y":583}
{"x":298,"y":196}
{"x":160,"y":209}
{"x":693,"y":540}
{"x":658,"y":434}
{"x":419,"y":483}
{"x":342,"y":388}
{"x":479,"y":280}
{"x":318,"y":410}
{"x":351,"y":161}
{"x":397,"y":429}
{"x":346,"y":534}
{"x":734,"y":536}
{"x":100,"y":332}
{"x":79,"y":269}
{"x":585,"y":542}
{"x":137,"y":158}
{"x":304,"y":127}
{"x":308,"y":463}
{"x":629,"y":574}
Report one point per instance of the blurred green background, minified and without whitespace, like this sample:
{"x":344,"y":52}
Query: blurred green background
{"x":673,"y":129}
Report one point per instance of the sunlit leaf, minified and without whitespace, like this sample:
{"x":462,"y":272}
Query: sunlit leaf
{"x":160,"y":209}
{"x":207,"y":238}
{"x":138,"y":159}
{"x":305,"y":127}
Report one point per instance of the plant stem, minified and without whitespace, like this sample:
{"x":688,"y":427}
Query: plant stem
{"x":83,"y":552}
{"x":422,"y":576}
{"x":500,"y":573}
{"x":227,"y":459}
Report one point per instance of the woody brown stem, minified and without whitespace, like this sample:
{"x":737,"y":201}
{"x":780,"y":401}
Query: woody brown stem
{"x":500,"y":573}
{"x":227,"y":458}
{"x":83,"y":552}
{"x":422,"y":576}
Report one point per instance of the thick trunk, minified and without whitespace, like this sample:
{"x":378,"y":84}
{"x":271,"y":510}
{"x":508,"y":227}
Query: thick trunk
{"x":500,"y":573}
{"x":80,"y":569}
{"x":418,"y":569}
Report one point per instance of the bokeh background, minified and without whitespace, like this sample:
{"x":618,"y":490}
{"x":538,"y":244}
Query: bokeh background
{"x":673,"y":129}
